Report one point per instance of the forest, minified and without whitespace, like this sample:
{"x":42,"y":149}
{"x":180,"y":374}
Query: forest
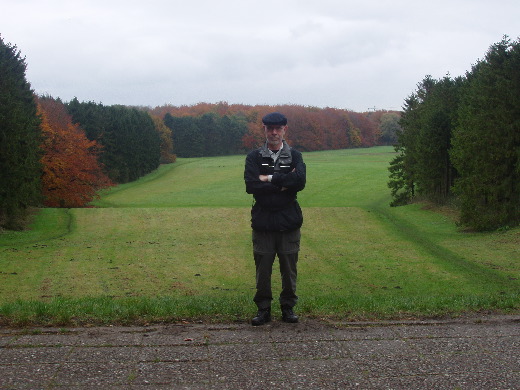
{"x":457,"y":140}
{"x":214,"y":129}
{"x":460,"y":142}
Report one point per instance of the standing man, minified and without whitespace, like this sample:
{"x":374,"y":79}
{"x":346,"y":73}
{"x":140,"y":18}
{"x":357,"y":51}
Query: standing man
{"x":274,"y":174}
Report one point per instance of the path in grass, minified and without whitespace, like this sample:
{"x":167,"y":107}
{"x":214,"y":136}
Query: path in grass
{"x":178,"y":241}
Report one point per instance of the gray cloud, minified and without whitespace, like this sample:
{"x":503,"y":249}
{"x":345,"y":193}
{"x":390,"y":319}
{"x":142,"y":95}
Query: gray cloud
{"x":321,"y":53}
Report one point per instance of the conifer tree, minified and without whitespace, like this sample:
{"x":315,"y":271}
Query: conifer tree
{"x":423,"y":165}
{"x":130,"y":141}
{"x":486,"y":144}
{"x":20,"y":168}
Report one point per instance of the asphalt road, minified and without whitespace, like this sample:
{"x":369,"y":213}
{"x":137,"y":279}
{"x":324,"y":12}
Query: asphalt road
{"x":469,"y":353}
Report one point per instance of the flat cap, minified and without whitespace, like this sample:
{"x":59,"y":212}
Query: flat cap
{"x":274,"y":119}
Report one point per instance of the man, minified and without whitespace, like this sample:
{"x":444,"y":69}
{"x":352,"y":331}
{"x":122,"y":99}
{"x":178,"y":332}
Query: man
{"x":274,"y":174}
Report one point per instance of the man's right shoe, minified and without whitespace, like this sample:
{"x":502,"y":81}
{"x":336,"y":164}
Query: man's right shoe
{"x":263,"y":316}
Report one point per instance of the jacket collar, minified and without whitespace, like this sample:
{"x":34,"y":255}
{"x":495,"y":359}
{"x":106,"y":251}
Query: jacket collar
{"x":285,"y":152}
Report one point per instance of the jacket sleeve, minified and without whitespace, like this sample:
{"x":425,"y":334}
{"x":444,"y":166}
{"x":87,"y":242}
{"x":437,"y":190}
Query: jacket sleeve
{"x":252,"y":177}
{"x":295,"y":180}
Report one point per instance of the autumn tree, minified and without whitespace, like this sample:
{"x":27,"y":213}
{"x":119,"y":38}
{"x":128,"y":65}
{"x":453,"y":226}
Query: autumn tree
{"x":20,"y":168}
{"x":72,"y":175}
{"x":365,"y":131}
{"x":165,"y":133}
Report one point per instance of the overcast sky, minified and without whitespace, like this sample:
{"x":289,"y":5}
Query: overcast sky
{"x":327,"y":53}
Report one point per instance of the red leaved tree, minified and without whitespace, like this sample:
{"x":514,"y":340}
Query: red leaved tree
{"x":72,"y":175}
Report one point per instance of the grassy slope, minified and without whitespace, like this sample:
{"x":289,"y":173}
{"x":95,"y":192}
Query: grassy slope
{"x":176,"y":244}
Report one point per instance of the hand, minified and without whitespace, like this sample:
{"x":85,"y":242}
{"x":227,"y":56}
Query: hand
{"x":263,"y":178}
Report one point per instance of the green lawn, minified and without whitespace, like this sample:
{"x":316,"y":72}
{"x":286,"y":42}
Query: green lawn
{"x":176,"y":245}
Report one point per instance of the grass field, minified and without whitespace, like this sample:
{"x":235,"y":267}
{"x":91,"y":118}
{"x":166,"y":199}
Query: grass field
{"x":175,"y":245}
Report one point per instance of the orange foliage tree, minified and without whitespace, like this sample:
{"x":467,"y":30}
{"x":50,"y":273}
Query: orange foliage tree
{"x":72,"y":175}
{"x":167,"y":155}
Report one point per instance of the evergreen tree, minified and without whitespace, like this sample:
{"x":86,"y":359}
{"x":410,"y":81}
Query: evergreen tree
{"x":423,"y":165}
{"x":233,"y":128}
{"x":402,"y":183}
{"x":208,"y":127}
{"x":187,"y":137}
{"x":207,"y":134}
{"x":435,"y":172}
{"x":486,"y":145}
{"x":131,"y":143}
{"x":20,"y":137}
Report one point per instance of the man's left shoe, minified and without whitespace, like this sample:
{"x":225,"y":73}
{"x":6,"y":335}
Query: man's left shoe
{"x":288,"y":315}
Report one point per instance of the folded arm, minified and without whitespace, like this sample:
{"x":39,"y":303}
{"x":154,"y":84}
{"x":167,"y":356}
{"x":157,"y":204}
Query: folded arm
{"x":293,"y":181}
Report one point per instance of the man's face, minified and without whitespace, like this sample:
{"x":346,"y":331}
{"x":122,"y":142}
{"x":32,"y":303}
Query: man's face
{"x":274,"y":134}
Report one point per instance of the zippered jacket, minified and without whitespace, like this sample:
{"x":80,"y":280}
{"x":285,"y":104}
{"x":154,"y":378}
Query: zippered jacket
{"x":275,"y":205}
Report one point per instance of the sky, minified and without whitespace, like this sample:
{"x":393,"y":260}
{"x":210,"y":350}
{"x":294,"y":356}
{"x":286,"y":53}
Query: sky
{"x":355,"y":55}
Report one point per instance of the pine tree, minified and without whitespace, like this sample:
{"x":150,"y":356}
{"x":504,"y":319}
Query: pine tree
{"x":130,"y":141}
{"x":20,"y":138}
{"x":423,"y":165}
{"x":486,"y":144}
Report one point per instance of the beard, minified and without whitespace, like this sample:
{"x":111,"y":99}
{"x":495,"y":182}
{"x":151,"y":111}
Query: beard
{"x":274,"y":141}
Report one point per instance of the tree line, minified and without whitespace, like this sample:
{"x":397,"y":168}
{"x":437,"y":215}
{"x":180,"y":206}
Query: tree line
{"x":206,"y":129}
{"x":460,"y":141}
{"x":60,"y":154}
{"x":206,"y":135}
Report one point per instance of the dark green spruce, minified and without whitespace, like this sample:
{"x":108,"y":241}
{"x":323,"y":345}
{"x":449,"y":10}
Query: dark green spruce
{"x":20,"y":138}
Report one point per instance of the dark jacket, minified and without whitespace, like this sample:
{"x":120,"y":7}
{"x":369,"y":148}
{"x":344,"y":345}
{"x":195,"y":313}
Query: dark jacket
{"x":275,"y":207}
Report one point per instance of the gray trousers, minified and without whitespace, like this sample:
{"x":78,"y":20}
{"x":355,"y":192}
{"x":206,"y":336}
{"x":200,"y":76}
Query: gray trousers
{"x":266,"y":246}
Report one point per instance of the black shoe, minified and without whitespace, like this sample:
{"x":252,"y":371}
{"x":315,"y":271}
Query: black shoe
{"x":263,"y":316}
{"x":288,"y":315}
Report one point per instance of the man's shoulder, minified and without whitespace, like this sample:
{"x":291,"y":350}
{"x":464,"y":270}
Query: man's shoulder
{"x":253,"y":153}
{"x":258,"y":151}
{"x":295,"y":152}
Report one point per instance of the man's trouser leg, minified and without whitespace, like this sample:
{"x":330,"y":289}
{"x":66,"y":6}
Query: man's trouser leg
{"x":287,"y":247}
{"x":264,"y":268}
{"x":289,"y":273}
{"x":264,"y":251}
